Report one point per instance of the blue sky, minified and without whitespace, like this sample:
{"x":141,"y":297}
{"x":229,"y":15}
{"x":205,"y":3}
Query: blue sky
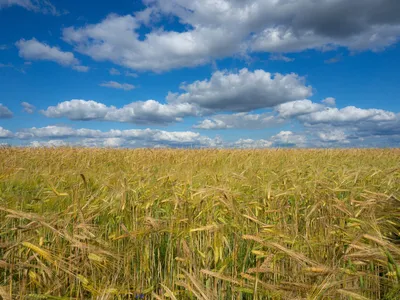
{"x":172,"y":73}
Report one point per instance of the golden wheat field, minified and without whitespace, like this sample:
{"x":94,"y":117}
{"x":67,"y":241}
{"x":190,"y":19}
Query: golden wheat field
{"x":199,"y":224}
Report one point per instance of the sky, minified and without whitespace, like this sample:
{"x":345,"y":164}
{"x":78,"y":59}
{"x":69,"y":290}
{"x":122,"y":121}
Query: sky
{"x":200,"y":73}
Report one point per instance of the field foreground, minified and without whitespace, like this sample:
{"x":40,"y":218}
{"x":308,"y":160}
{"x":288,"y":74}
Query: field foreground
{"x":199,"y":224}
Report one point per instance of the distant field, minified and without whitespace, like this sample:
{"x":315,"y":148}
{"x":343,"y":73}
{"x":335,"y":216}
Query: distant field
{"x":199,"y":224}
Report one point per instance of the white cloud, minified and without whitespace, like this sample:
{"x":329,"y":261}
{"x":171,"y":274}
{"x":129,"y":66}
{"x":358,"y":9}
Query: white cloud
{"x":151,"y":112}
{"x":50,"y":143}
{"x":140,"y":112}
{"x":35,"y":50}
{"x":282,"y":139}
{"x":259,"y":25}
{"x":43,"y":6}
{"x":113,"y":138}
{"x":333,"y":136}
{"x":351,"y":126}
{"x":113,"y":142}
{"x":5,"y":113}
{"x":297,"y":108}
{"x":157,"y":135}
{"x":114,"y":71}
{"x":117,"y":85}
{"x":330,"y":101}
{"x":242,"y":91}
{"x":77,"y":110}
{"x":28,"y":108}
{"x":3,"y":47}
{"x":4,"y":133}
{"x":105,"y":143}
{"x":348,"y":115}
{"x":57,"y":132}
{"x":240,"y":121}
{"x":288,"y":138}
{"x":212,"y":124}
{"x":146,"y":16}
{"x":331,"y":124}
{"x":250,"y":143}
{"x":325,"y":136}
{"x":45,"y":132}
{"x":315,"y":114}
{"x":284,"y":39}
{"x":116,"y":39}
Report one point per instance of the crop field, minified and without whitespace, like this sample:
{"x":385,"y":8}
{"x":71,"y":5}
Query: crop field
{"x":199,"y":224}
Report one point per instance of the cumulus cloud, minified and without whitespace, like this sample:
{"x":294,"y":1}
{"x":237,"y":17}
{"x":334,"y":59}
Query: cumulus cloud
{"x":240,"y":121}
{"x":324,"y":126}
{"x":250,"y":143}
{"x":334,"y":135}
{"x":297,"y":108}
{"x":52,"y":132}
{"x":113,"y":138}
{"x":260,"y":25}
{"x":5,"y":113}
{"x":151,"y":112}
{"x":28,"y":108}
{"x":34,"y":50}
{"x":62,"y":136}
{"x":113,"y":142}
{"x":326,"y":114}
{"x":348,"y":115}
{"x":330,"y":124}
{"x":325,"y":136}
{"x":140,"y":112}
{"x":281,"y":139}
{"x":43,"y":6}
{"x":288,"y":139}
{"x":330,"y":101}
{"x":116,"y":39}
{"x":350,"y":125}
{"x":4,"y":133}
{"x":77,"y":110}
{"x":50,"y":143}
{"x":242,"y":91}
{"x":117,"y":85}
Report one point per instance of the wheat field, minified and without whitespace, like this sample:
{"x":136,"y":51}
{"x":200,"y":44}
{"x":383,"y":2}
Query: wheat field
{"x":199,"y":224}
